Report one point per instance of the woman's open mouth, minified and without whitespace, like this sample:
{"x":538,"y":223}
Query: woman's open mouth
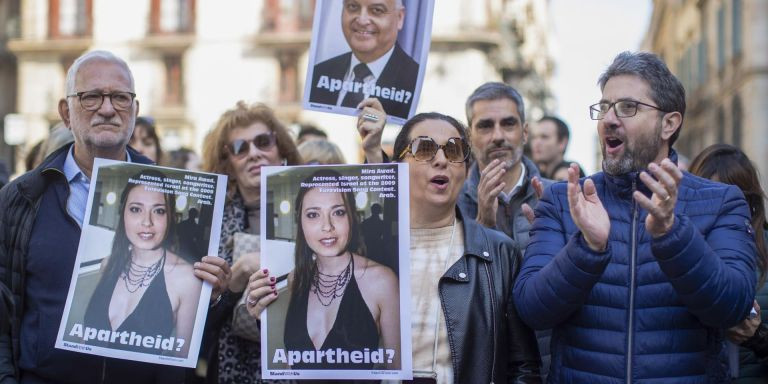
{"x":328,"y":242}
{"x":439,"y":182}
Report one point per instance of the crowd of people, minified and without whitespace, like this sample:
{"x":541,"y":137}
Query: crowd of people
{"x":639,"y":273}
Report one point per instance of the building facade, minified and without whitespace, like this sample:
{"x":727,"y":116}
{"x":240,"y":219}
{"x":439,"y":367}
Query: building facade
{"x":194,"y":59}
{"x":9,"y":20}
{"x":717,"y":48}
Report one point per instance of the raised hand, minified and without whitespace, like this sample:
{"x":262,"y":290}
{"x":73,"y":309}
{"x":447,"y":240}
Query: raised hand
{"x":661,"y":205}
{"x":488,"y":190}
{"x":370,"y":125}
{"x":587,"y":211}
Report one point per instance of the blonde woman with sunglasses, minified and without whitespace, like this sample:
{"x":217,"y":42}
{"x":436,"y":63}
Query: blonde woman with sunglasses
{"x":244,"y":139}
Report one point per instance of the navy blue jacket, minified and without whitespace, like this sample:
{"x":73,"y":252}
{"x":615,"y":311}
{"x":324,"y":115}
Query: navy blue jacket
{"x":645,"y":310}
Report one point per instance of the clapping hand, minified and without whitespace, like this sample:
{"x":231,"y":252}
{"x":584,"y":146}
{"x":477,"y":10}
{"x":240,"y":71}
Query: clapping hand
{"x":538,"y":188}
{"x":587,"y":211}
{"x":488,"y":189}
{"x":661,"y":205}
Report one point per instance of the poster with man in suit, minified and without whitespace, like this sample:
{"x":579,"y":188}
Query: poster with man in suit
{"x":382,"y":54}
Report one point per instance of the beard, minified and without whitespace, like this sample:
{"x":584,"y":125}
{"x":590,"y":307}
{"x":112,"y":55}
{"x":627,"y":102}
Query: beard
{"x":636,"y":156}
{"x":485,"y":157}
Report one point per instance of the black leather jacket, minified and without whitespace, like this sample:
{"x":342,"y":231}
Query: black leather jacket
{"x":488,"y":341}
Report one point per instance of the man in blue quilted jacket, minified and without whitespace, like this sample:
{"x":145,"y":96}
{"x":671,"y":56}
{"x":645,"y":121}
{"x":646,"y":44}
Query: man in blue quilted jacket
{"x":639,"y":268}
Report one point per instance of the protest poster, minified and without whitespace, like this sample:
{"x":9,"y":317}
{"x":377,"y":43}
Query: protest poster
{"x":362,"y":49}
{"x":133,"y":293}
{"x":341,"y":236}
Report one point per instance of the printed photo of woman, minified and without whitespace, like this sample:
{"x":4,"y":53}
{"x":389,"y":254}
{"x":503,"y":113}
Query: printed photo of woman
{"x":339,"y":297}
{"x":145,"y":286}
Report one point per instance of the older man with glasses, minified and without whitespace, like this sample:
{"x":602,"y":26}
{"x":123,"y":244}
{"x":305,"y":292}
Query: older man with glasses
{"x":42,"y":214}
{"x":639,"y":268}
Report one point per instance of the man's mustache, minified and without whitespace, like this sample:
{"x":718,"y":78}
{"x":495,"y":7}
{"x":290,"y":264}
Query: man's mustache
{"x":105,"y":122}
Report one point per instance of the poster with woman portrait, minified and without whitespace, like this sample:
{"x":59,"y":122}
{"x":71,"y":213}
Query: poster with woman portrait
{"x":133,"y":293}
{"x":333,"y":302}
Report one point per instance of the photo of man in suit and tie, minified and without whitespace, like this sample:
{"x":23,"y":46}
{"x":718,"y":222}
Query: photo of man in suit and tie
{"x":375,"y":66}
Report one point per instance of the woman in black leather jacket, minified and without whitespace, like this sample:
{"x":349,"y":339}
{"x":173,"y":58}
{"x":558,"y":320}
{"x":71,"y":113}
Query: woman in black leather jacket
{"x":463,"y":321}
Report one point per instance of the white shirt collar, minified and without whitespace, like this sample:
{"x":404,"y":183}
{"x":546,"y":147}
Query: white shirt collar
{"x":518,"y":186}
{"x":71,"y":169}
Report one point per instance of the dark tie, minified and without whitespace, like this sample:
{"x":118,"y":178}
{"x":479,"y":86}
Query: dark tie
{"x":352,"y":99}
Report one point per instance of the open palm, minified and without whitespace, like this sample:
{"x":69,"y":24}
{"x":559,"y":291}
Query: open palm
{"x":588,"y":212}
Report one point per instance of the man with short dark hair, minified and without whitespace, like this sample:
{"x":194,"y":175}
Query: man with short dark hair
{"x":376,"y":65}
{"x":502,"y":180}
{"x":549,"y":140}
{"x":42,"y":214}
{"x":638,"y":269}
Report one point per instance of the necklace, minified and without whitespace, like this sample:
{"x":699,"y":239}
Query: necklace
{"x":328,"y":287}
{"x":136,"y":276}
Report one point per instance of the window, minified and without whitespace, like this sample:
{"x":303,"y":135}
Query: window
{"x":736,"y":132}
{"x":288,"y":15}
{"x":69,"y":18}
{"x":174,"y":80}
{"x":736,"y":25}
{"x":172,"y":16}
{"x":720,"y":37}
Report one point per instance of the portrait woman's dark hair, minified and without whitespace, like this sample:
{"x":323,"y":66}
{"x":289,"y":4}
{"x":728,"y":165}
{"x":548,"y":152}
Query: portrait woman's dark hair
{"x":305,"y":267}
{"x":731,"y":166}
{"x":121,"y":253}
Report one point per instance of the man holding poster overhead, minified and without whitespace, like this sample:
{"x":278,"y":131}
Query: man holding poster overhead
{"x":376,"y":66}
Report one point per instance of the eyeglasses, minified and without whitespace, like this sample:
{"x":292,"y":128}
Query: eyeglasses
{"x":92,"y":100}
{"x":623,"y":108}
{"x":263,"y":142}
{"x":424,"y":148}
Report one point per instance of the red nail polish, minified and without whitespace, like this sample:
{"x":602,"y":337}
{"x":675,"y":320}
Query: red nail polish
{"x":272,"y":279}
{"x":266,"y":271}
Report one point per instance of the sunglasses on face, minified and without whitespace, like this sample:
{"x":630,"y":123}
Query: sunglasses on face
{"x":424,"y":148}
{"x":263,"y":142}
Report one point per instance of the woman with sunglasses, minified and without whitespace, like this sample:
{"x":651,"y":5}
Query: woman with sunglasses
{"x":464,"y":325}
{"x":350,"y":300}
{"x":244,"y":139}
